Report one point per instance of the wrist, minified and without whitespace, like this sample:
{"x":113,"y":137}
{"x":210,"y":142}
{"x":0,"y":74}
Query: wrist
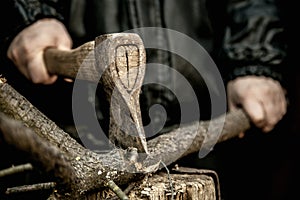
{"x":255,"y":70}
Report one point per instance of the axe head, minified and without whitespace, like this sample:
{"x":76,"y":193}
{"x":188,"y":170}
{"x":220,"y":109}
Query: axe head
{"x":123,"y":72}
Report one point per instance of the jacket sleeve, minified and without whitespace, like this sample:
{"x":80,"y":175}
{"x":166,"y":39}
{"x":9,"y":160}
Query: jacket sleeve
{"x":18,"y":14}
{"x":254,"y":40}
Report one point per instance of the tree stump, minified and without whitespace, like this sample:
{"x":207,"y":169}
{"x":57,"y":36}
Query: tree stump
{"x":183,"y":183}
{"x":183,"y":186}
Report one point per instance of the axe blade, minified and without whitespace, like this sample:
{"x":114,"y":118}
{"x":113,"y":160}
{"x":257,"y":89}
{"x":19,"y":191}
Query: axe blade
{"x":117,"y":61}
{"x":124,"y":69}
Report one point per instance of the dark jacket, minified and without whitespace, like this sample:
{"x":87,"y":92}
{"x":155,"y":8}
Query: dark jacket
{"x":244,"y":37}
{"x":248,"y":32}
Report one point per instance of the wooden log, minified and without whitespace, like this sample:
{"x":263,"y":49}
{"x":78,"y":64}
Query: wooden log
{"x":91,"y":170}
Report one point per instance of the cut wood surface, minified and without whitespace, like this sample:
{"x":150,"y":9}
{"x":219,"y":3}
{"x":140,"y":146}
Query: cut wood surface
{"x":182,"y":186}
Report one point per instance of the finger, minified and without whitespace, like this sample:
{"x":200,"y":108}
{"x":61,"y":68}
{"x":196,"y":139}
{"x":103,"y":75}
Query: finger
{"x":38,"y":71}
{"x":271,"y":114}
{"x":256,"y":112}
{"x":231,"y":105}
{"x":50,"y":80}
{"x":68,"y":80}
{"x":284,"y":104}
{"x":19,"y":62}
{"x":230,"y":101}
{"x":275,"y":109}
{"x":64,"y":43}
{"x":64,"y":46}
{"x":241,"y":135}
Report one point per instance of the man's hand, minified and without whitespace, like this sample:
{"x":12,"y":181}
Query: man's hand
{"x":262,"y":98}
{"x":26,"y":50}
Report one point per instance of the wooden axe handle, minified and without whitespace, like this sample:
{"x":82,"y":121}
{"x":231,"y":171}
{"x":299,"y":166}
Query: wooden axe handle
{"x":68,"y":63}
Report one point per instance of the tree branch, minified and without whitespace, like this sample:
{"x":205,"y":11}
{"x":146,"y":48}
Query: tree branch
{"x":82,"y":169}
{"x":29,"y":188}
{"x":15,"y":169}
{"x":192,"y":137}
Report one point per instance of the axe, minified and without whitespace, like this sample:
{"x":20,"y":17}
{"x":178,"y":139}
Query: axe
{"x":117,"y":61}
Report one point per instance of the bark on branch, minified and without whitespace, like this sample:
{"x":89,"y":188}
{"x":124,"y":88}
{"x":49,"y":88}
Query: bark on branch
{"x":15,"y":169}
{"x":89,"y":171}
{"x":85,"y":171}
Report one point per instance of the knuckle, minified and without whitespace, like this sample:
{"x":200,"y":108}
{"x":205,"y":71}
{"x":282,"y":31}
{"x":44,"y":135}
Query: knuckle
{"x":37,"y":80}
{"x":12,"y":54}
{"x":258,"y":121}
{"x":267,"y":128}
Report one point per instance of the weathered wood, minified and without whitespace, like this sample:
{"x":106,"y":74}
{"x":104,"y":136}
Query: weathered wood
{"x":93,"y":170}
{"x":122,"y":80}
{"x":49,"y":156}
{"x":191,"y":137}
{"x":184,"y":187}
{"x":30,"y":188}
{"x":123,"y":57}
{"x":67,"y":63}
{"x":80,"y":172}
{"x":196,"y":187}
{"x":117,"y":61}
